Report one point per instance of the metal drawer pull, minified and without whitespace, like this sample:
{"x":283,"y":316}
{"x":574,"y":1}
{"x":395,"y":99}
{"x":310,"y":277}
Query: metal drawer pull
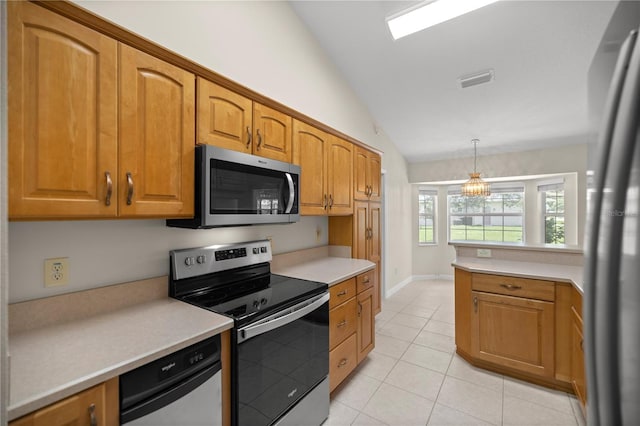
{"x":342,"y":363}
{"x":342,"y":323}
{"x":130,"y":188}
{"x":511,"y":286}
{"x":342,"y":293}
{"x":248,"y":137}
{"x":365,"y":279}
{"x":92,"y":415}
{"x":107,"y":200}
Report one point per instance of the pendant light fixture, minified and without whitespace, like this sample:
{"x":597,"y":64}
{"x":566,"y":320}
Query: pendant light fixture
{"x":475,"y":186}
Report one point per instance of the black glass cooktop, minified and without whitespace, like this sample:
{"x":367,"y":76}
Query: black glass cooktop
{"x":251,"y":299}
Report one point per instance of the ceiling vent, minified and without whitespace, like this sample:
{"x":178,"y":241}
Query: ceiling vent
{"x":475,"y":79}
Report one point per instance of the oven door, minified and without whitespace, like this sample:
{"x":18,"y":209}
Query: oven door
{"x":280,"y":360}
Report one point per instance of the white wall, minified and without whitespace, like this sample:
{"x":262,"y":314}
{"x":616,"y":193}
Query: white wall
{"x":569,"y":160}
{"x":263,"y":46}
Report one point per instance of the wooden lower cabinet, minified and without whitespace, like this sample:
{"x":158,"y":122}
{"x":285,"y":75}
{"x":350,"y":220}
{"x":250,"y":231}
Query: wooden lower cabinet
{"x":525,"y":328}
{"x":351,"y":325}
{"x":578,"y":379}
{"x":513,"y":332}
{"x":95,"y":406}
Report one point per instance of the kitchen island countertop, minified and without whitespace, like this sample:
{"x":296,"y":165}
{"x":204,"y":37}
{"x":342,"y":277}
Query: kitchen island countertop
{"x":535,"y":270}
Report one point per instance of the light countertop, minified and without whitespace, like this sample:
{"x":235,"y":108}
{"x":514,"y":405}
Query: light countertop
{"x":330,"y":270}
{"x":535,"y":270}
{"x":560,"y":248}
{"x":54,"y":362}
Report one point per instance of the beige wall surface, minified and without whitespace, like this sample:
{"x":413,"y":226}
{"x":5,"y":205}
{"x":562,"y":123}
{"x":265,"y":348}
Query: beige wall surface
{"x":569,"y":160}
{"x":263,"y":46}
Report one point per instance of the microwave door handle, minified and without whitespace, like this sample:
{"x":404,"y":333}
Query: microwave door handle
{"x":292,"y":193}
{"x":279,"y":320}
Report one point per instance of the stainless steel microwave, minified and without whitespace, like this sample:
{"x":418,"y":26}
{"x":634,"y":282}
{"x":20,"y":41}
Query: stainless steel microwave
{"x":233,"y":188}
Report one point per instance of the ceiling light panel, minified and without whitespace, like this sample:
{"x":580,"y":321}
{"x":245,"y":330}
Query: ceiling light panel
{"x":430,"y":14}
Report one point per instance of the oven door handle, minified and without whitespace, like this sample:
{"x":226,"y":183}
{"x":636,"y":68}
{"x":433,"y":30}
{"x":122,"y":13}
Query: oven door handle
{"x":292,"y":193}
{"x":281,"y":318}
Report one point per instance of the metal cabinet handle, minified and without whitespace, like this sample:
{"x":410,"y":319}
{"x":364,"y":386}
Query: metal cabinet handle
{"x":369,"y":191}
{"x":107,"y":199}
{"x":342,"y":293}
{"x":342,"y":363}
{"x":259,"y":139}
{"x":129,"y":188}
{"x":511,"y":286}
{"x":475,"y":304}
{"x":330,"y":200}
{"x":92,"y":415}
{"x":341,"y":323}
{"x":324,"y":201}
{"x":359,"y":309}
{"x":248,"y":137}
{"x":365,"y":280}
{"x":582,"y":345}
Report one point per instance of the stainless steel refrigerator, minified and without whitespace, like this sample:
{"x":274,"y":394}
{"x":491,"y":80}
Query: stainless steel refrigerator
{"x":611,"y":308}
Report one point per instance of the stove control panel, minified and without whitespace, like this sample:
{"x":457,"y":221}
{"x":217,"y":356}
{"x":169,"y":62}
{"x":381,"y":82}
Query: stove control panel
{"x":204,"y":260}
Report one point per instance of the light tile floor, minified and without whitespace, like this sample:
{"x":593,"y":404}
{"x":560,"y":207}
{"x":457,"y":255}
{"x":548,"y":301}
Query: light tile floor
{"x":414,"y":377}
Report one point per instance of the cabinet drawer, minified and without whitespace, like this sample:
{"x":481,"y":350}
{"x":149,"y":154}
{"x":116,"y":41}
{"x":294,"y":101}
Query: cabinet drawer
{"x":343,"y":321}
{"x":342,"y":292}
{"x":514,"y":286}
{"x":366,"y":280}
{"x":342,"y":360}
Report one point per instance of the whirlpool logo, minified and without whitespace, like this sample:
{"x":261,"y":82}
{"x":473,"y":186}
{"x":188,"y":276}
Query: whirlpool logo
{"x":293,"y":392}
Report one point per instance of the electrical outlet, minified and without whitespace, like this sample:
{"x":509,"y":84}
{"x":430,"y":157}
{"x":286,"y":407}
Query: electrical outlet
{"x":56,"y":272}
{"x":483,"y":253}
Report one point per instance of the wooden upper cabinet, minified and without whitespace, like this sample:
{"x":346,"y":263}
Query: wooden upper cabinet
{"x":310,"y":153}
{"x":62,"y":116}
{"x":224,"y":117}
{"x":326,"y":164}
{"x":156,"y":148}
{"x":340,"y":177}
{"x":232,"y":121}
{"x":367,"y":175}
{"x":272,"y":136}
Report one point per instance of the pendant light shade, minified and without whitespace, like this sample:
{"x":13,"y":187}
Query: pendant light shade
{"x":475,"y":186}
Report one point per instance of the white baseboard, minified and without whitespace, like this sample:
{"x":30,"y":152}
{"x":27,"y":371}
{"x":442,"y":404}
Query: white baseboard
{"x":413,"y":278}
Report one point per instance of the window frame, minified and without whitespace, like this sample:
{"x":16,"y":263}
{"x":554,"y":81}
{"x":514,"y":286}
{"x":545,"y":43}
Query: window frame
{"x":433,"y":193}
{"x":543,"y":190}
{"x":512,"y":187}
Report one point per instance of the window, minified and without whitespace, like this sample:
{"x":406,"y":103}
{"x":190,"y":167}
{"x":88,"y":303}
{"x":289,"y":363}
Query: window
{"x":553,"y":212}
{"x":496,"y":218}
{"x":427,"y":216}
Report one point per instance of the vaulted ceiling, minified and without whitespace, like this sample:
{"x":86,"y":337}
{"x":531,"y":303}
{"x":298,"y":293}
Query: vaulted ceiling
{"x":539,"y":51}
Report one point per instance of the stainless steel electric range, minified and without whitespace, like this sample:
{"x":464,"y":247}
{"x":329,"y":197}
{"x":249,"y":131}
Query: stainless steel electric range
{"x":280,"y":338}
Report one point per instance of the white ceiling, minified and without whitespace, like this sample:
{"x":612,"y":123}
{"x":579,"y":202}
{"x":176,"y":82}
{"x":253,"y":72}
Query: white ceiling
{"x":540,"y":52}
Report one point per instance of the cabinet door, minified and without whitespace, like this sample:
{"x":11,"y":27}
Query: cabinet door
{"x":95,"y":406}
{"x":375,"y":176}
{"x":340,"y":177}
{"x":157,"y":140}
{"x":272,"y":135}
{"x":513,"y":332}
{"x":224,"y":117}
{"x":366,"y":324}
{"x":62,"y":119}
{"x":360,"y":229}
{"x":310,"y":146}
{"x":367,"y":175}
{"x":578,"y":381}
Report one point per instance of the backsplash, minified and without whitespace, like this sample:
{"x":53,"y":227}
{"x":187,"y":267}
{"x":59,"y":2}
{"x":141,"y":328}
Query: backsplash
{"x":117,"y":251}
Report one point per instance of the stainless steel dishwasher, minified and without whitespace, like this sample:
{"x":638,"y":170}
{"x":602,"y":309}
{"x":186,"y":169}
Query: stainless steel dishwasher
{"x":182,"y":388}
